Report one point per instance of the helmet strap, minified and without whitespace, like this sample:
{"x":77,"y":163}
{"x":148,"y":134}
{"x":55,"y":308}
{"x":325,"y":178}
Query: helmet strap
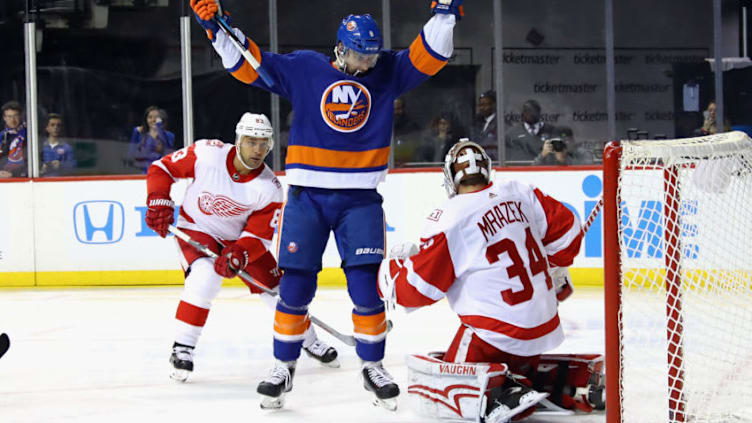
{"x":339,"y":59}
{"x":240,"y":157}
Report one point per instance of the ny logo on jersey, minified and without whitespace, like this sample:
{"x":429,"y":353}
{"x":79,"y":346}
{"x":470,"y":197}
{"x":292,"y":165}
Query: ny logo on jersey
{"x":346,"y":106}
{"x":220,"y":205}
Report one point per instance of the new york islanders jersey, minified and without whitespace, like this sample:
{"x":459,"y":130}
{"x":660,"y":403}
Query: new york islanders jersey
{"x":341,"y":134}
{"x":13,"y":144}
{"x":220,"y":202}
{"x":489,"y":253}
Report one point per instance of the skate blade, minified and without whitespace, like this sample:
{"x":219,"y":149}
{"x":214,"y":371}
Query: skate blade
{"x":179,"y":375}
{"x":272,"y":403}
{"x":389,"y":404}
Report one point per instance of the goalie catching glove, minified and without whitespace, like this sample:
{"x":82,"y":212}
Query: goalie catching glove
{"x":160,"y":212}
{"x":205,"y":11}
{"x":453,"y":7}
{"x":233,"y":259}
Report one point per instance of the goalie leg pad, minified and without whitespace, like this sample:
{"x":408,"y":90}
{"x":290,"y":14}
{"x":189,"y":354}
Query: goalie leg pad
{"x":575,"y":381}
{"x":443,"y":390}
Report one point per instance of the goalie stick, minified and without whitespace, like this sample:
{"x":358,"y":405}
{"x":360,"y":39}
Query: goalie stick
{"x":347,"y":339}
{"x":227,"y":29}
{"x":4,"y":344}
{"x":593,"y":214}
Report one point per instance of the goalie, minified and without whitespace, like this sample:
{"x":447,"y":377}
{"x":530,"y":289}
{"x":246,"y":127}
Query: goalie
{"x":499,"y":253}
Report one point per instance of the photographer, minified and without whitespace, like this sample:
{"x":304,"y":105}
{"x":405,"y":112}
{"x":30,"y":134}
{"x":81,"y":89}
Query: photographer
{"x":553,"y":153}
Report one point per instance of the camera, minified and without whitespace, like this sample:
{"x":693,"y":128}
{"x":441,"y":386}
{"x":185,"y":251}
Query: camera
{"x":558,"y":145}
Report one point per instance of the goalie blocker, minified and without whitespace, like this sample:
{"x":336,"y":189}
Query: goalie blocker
{"x":489,"y":393}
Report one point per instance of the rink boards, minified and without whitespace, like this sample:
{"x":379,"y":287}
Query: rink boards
{"x":91,"y":231}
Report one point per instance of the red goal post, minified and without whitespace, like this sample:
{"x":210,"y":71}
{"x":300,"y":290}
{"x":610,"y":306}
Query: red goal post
{"x":678,"y":279}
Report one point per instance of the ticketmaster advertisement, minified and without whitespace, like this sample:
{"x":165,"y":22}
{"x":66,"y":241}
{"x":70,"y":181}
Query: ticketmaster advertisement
{"x":92,"y":232}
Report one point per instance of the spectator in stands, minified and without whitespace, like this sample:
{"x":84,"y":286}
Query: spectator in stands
{"x":562,"y":149}
{"x":151,"y":140}
{"x":709,"y":126}
{"x":57,"y":155}
{"x":406,"y":134}
{"x":442,"y":135}
{"x":12,"y":141}
{"x":527,"y":140}
{"x":484,"y":131}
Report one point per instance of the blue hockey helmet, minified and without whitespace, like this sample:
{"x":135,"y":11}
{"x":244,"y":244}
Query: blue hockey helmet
{"x":360,"y":33}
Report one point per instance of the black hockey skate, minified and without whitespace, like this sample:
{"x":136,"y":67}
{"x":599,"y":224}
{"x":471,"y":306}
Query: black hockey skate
{"x":276,"y":385}
{"x":182,"y":361}
{"x":377,"y":380}
{"x":510,"y":400}
{"x":323,"y":353}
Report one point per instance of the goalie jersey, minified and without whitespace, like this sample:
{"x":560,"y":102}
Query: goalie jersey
{"x":341,"y":133}
{"x":489,"y":253}
{"x":220,"y":202}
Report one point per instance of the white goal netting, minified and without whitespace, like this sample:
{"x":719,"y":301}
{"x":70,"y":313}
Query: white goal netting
{"x":685,"y":237}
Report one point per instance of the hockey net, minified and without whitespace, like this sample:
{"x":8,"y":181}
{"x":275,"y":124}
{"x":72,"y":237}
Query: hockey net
{"x":678,"y":263}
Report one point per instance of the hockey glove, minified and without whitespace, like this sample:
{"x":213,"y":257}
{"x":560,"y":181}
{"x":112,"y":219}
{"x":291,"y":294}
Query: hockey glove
{"x":160,"y":211}
{"x":205,"y":11}
{"x":453,"y":7}
{"x":232,"y":259}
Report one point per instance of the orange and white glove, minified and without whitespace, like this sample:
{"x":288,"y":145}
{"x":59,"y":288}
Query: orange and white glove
{"x":205,"y":11}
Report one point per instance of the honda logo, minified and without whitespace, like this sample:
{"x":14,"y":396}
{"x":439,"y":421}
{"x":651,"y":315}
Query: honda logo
{"x":98,"y":222}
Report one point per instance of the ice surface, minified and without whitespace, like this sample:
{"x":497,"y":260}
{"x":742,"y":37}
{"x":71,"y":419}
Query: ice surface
{"x":101,"y":355}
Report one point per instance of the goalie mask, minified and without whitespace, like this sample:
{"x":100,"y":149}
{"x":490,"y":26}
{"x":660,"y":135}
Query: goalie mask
{"x":466,"y":161}
{"x":253,"y":126}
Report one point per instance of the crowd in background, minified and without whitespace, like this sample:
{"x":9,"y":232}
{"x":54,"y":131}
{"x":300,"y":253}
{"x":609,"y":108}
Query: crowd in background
{"x":529,"y":142}
{"x":149,"y":141}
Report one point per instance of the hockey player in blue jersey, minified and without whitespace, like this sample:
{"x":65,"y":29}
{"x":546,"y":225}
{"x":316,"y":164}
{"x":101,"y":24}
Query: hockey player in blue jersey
{"x":337,"y":154}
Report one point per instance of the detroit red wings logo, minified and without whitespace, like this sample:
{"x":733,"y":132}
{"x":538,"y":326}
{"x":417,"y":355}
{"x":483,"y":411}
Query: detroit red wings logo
{"x":220,"y":205}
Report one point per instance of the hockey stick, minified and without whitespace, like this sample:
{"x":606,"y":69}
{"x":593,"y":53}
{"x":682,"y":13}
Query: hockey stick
{"x":593,"y":214}
{"x":227,"y":29}
{"x":4,"y":344}
{"x":347,"y":339}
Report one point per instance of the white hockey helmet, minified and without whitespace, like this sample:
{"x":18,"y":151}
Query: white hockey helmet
{"x":256,"y":126}
{"x":471,"y":159}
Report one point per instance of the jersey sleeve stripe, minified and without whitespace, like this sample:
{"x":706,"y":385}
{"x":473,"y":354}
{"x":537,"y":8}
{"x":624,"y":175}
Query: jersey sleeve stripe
{"x":158,"y":178}
{"x":245,"y":73}
{"x":434,"y":262}
{"x":412,"y":291}
{"x":232,"y":60}
{"x":559,"y":219}
{"x":510,"y":330}
{"x":325,"y":158}
{"x":566,"y":240}
{"x":424,"y":59}
{"x":565,"y":257}
{"x":161,"y":165}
